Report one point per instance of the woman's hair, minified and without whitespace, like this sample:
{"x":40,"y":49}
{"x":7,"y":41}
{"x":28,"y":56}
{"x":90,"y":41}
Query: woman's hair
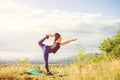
{"x":57,"y":35}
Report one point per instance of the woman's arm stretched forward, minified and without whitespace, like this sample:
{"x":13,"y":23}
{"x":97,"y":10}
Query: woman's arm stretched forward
{"x":66,"y":42}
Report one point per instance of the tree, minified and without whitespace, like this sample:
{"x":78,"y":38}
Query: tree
{"x":111,"y":46}
{"x":82,"y":55}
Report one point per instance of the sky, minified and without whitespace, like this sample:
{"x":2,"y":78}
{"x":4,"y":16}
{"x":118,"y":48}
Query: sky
{"x":24,"y":22}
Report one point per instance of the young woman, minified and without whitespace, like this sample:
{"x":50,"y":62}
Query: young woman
{"x":53,"y":48}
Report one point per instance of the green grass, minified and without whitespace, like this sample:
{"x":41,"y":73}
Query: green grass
{"x":103,"y":70}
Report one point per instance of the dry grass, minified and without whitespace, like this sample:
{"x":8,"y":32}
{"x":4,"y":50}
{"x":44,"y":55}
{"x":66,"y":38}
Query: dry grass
{"x":103,"y":70}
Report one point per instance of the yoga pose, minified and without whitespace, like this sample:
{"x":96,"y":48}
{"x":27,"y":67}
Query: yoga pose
{"x":53,"y":48}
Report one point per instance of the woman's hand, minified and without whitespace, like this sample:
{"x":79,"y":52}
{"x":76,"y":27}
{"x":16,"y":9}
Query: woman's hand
{"x":73,"y":39}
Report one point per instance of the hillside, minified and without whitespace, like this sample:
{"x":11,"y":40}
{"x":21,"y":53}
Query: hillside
{"x":103,"y":70}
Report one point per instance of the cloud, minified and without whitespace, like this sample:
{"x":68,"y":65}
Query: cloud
{"x":22,"y":27}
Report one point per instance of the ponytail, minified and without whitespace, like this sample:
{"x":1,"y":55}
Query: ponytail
{"x":57,"y":35}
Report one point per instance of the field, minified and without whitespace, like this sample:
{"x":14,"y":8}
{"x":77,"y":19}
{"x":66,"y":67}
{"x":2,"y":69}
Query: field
{"x":103,"y":70}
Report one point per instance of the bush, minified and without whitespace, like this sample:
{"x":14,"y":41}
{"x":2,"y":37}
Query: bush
{"x":95,"y":58}
{"x":82,"y":55}
{"x":111,"y":46}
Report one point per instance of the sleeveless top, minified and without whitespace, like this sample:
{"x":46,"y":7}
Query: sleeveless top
{"x":55,"y":47}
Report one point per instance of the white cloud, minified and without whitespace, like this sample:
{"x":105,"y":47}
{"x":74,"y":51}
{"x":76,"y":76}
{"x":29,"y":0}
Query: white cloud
{"x":21,"y":27}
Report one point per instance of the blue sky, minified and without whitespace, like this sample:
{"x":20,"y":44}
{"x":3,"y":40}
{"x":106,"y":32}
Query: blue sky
{"x":107,"y":7}
{"x":24,"y":22}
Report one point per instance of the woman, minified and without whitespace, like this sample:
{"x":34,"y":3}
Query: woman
{"x":53,"y":48}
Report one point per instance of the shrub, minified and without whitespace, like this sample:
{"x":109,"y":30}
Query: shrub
{"x":111,"y":46}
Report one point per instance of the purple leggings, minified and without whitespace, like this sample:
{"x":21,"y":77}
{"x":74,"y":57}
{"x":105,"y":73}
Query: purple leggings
{"x":46,"y":51}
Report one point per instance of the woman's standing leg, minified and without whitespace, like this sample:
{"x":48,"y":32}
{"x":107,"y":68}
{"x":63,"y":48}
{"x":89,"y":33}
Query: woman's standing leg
{"x":46,"y":50}
{"x":46,"y":56}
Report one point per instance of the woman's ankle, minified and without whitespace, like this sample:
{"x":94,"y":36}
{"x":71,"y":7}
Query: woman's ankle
{"x":49,"y":73}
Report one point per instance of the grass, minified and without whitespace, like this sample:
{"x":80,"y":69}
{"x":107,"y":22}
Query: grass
{"x":103,"y":70}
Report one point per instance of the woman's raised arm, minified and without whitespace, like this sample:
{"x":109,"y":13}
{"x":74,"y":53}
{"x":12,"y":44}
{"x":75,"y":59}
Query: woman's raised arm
{"x":66,"y":42}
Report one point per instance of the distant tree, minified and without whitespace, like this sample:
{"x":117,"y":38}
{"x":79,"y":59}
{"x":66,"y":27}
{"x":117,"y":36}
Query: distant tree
{"x":82,"y":55}
{"x":111,"y":46}
{"x":25,"y":61}
{"x":95,"y":58}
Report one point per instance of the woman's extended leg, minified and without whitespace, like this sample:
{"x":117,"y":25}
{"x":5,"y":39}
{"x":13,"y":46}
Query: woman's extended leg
{"x":42,"y":40}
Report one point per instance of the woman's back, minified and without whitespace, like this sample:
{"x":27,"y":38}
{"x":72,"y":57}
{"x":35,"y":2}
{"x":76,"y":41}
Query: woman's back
{"x":55,"y":47}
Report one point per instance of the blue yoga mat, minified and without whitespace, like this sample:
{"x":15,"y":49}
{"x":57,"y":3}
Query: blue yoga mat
{"x":34,"y":72}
